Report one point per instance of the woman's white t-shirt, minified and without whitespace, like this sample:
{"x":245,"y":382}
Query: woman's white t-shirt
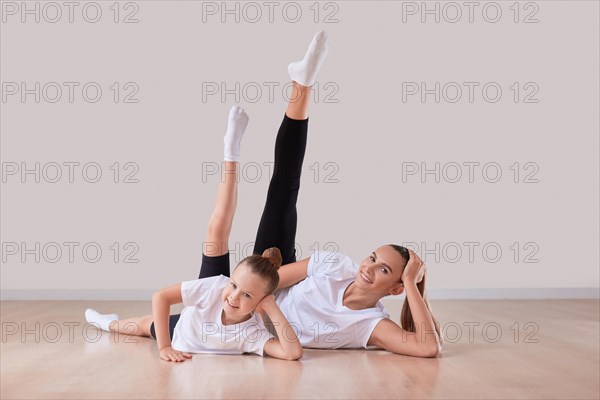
{"x":200,"y":329}
{"x":315,"y":310}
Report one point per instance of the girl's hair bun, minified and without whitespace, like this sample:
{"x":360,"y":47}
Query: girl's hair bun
{"x":274,"y":256}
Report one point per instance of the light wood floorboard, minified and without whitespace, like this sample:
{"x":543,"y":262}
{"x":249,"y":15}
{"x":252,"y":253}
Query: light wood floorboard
{"x":555,"y":357}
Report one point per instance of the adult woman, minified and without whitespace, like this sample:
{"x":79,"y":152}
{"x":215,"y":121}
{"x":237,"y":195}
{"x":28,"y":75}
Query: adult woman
{"x":331,"y":300}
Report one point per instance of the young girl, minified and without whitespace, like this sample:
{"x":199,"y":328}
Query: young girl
{"x":219,"y":314}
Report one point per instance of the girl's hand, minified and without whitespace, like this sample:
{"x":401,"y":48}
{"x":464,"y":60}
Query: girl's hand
{"x":170,"y":354}
{"x":265,"y":304}
{"x":415,"y":269}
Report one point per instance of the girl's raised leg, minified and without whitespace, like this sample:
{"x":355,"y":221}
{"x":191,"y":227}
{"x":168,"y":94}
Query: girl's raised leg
{"x":278,"y":223}
{"x":215,"y":248}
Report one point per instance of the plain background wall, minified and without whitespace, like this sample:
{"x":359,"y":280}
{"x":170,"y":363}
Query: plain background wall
{"x":367,"y":134}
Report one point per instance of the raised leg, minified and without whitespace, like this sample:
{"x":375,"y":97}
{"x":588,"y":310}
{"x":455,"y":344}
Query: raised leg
{"x":278,"y":223}
{"x":299,"y":101}
{"x":215,"y":248}
{"x":216,"y":242}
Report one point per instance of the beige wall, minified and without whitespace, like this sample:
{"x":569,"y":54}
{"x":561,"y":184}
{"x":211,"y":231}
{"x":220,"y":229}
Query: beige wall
{"x":369,"y":140}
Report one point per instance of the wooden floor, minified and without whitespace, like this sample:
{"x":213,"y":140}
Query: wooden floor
{"x":556,"y":356}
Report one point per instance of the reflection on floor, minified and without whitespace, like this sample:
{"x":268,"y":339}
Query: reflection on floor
{"x":542,"y":349}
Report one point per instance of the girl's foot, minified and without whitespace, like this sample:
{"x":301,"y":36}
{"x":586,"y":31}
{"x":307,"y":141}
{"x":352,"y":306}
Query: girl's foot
{"x":102,"y":320}
{"x":236,"y":125}
{"x":305,"y":71}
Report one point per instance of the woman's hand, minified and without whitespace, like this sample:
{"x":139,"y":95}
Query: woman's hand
{"x":265,"y":303}
{"x":170,"y":354}
{"x":415,"y":269}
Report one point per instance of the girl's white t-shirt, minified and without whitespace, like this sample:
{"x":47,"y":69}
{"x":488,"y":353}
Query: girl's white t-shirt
{"x":314,"y":306}
{"x":200,"y":329}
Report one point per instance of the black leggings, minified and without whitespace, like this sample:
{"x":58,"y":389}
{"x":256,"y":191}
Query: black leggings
{"x":278,"y":223}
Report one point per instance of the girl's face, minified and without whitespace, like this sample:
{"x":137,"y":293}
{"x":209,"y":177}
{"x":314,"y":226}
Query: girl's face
{"x":243,"y":292}
{"x":381,"y":271}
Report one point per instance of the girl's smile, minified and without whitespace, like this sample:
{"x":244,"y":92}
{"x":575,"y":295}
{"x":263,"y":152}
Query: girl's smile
{"x":242,"y":294}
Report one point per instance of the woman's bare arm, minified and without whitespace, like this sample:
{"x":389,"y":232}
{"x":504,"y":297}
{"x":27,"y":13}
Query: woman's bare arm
{"x":424,"y":342}
{"x":390,"y":336}
{"x":290,"y":274}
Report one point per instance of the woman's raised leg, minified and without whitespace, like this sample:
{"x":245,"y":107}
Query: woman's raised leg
{"x":215,"y":248}
{"x":298,"y":105}
{"x":278,"y":223}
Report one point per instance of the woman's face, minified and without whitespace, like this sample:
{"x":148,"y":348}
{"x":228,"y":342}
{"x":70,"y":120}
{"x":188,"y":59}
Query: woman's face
{"x":381,"y":271}
{"x":243,"y":292}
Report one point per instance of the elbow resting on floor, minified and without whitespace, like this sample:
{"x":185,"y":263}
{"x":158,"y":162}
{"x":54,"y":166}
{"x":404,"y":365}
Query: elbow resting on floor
{"x":435,"y":352}
{"x":296,"y":355}
{"x":425,"y":352}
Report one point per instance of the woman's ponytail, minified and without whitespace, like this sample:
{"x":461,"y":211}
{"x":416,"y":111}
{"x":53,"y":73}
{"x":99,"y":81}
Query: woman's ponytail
{"x":406,"y":319}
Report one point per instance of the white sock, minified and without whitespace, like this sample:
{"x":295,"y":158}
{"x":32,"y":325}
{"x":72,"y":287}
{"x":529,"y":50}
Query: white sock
{"x":102,"y":320}
{"x":236,"y":125}
{"x":305,"y":72}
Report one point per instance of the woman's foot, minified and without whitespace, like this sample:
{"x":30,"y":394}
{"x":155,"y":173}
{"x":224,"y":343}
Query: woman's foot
{"x":236,"y":125}
{"x":102,"y":320}
{"x":305,"y":71}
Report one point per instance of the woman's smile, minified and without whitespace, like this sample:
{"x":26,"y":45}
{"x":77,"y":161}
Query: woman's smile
{"x":365,"y":277}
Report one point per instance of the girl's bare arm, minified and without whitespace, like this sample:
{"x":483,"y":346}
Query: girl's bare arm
{"x":161,"y":310}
